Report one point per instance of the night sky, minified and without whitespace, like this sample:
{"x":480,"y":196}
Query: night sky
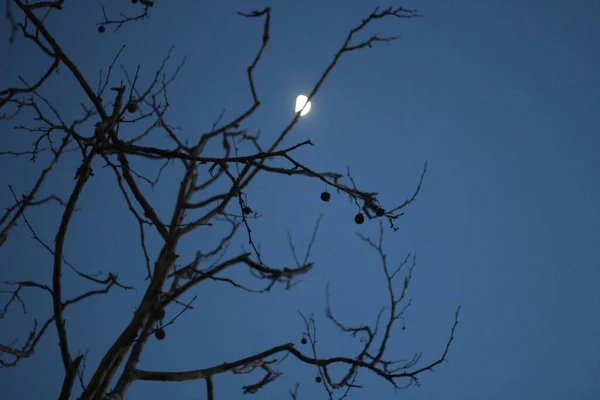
{"x":501,"y":98}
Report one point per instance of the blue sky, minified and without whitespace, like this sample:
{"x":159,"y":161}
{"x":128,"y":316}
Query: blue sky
{"x":502,"y":100}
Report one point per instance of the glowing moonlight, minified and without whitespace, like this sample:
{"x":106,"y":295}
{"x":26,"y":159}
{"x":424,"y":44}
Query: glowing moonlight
{"x":302,"y":105}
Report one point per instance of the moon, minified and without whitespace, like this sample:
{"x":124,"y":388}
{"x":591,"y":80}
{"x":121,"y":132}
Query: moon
{"x":302,"y":105}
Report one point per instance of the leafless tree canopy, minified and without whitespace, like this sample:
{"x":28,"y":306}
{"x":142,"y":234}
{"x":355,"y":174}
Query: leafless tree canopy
{"x":108,"y":109}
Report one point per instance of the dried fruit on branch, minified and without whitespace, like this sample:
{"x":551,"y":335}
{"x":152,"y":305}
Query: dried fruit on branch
{"x":160,"y":334}
{"x":359,"y":218}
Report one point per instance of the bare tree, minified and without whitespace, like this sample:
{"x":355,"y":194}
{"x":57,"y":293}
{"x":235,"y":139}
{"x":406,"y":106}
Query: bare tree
{"x":217,"y":170}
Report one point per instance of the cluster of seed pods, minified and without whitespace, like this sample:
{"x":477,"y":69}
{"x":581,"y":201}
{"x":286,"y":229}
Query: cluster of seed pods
{"x":358,"y":218}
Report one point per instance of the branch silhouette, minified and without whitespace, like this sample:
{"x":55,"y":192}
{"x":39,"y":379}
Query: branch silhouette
{"x":126,"y":124}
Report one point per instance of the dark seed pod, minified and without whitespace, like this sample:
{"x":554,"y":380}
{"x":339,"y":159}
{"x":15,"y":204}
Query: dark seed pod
{"x":359,"y":218}
{"x":380,"y":212}
{"x":318,"y":379}
{"x":303,"y":341}
{"x":101,"y":28}
{"x":132,"y":106}
{"x":160,"y":334}
{"x":325,"y":196}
